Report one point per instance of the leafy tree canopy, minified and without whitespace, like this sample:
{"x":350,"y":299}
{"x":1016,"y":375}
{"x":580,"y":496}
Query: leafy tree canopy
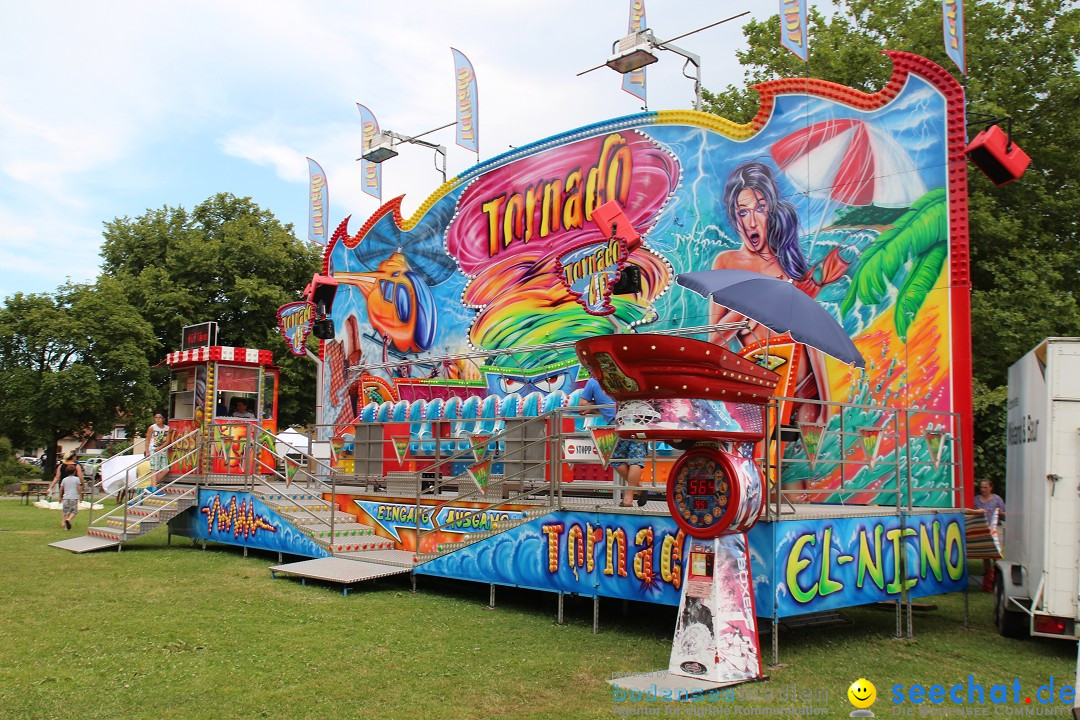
{"x":228,"y":261}
{"x":72,"y":361}
{"x":1025,"y":237}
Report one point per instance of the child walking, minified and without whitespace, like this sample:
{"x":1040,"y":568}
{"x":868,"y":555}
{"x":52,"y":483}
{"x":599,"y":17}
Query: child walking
{"x":71,"y":488}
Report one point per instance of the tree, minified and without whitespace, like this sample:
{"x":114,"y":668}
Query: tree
{"x":1025,"y":237}
{"x":71,"y":362}
{"x":227,"y":261}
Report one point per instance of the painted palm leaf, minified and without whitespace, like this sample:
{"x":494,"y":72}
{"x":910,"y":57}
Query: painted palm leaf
{"x":919,"y":235}
{"x":917,"y":286}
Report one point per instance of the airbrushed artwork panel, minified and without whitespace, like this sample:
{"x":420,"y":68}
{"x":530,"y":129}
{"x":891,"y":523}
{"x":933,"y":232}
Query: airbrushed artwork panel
{"x":798,"y":566}
{"x":240,"y":518}
{"x":847,"y":195}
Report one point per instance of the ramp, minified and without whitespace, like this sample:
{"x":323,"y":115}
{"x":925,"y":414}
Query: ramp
{"x":399,"y":558}
{"x":338,"y":570}
{"x":86,"y":543}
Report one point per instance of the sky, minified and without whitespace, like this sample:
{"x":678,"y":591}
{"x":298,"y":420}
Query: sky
{"x":109,"y":109}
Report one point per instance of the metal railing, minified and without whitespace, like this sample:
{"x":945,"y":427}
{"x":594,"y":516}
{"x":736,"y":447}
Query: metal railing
{"x":845,"y":426}
{"x":518,"y":456}
{"x":265,"y":441}
{"x":890,"y":476}
{"x":434,"y":473}
{"x":122,"y":509}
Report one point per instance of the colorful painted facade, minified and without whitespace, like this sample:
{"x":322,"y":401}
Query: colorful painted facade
{"x":860,"y":199}
{"x":814,"y":565}
{"x":240,"y":518}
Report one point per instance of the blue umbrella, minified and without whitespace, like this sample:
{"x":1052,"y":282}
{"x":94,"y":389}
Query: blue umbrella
{"x":778,"y":305}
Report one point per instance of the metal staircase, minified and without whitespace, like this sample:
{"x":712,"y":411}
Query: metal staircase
{"x":357,"y":553}
{"x":524,"y":454}
{"x":144,"y":514}
{"x":300,"y":501}
{"x":333,"y":530}
{"x":147,"y":511}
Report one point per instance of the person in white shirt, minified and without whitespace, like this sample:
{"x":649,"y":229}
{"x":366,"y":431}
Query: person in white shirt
{"x":157,"y":438}
{"x":242,"y":411}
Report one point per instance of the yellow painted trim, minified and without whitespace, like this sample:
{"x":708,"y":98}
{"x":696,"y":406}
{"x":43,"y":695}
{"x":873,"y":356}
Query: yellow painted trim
{"x":725,"y":127}
{"x":440,"y":192}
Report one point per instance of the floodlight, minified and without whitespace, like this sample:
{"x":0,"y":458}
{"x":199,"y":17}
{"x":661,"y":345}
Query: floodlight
{"x":635,"y":52}
{"x":381,"y":148}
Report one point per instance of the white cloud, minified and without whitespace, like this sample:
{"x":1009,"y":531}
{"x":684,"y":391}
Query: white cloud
{"x":288,"y":163}
{"x":107,"y":109}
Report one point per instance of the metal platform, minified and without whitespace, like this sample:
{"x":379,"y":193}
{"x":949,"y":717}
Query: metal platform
{"x":817,"y":511}
{"x":397,"y":558}
{"x":86,"y":543}
{"x":338,"y":570}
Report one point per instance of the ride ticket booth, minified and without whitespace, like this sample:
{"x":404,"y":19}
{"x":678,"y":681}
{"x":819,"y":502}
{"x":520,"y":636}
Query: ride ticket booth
{"x":228,"y":393}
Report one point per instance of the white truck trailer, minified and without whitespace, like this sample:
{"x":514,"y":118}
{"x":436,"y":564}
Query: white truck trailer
{"x":1037,"y":589}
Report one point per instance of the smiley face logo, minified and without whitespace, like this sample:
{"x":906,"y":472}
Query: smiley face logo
{"x":862,"y":693}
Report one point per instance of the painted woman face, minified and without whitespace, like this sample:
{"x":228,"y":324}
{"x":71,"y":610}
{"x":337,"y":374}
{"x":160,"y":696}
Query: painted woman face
{"x":753,"y":218}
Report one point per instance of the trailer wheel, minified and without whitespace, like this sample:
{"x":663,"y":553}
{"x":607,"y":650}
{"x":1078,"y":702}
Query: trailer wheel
{"x":1010,"y":623}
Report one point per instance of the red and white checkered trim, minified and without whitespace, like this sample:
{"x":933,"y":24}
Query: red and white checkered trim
{"x":220,"y":352}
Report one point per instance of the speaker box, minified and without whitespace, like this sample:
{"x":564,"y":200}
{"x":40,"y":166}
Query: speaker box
{"x":321,"y":291}
{"x":629,"y":282}
{"x":323,"y":329}
{"x":991,"y":153}
{"x":612,"y":221}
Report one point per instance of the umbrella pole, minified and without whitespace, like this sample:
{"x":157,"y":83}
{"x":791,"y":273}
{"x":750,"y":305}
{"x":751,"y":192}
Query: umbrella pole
{"x":821,"y":224}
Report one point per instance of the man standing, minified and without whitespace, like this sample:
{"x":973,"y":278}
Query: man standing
{"x":630,"y":453}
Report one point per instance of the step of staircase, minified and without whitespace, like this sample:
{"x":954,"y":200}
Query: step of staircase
{"x":108,"y":533}
{"x":134,"y":525}
{"x":277,"y":494}
{"x":341,"y":530}
{"x":156,"y":509}
{"x":367,"y":542}
{"x":298,"y":507}
{"x":174,"y":492}
{"x":143,"y":512}
{"x":314,"y":518}
{"x":292,"y":490}
{"x":159,"y":501}
{"x":291,"y":494}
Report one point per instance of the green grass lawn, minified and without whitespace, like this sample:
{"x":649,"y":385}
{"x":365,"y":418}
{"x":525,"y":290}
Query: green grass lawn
{"x":174,"y":632}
